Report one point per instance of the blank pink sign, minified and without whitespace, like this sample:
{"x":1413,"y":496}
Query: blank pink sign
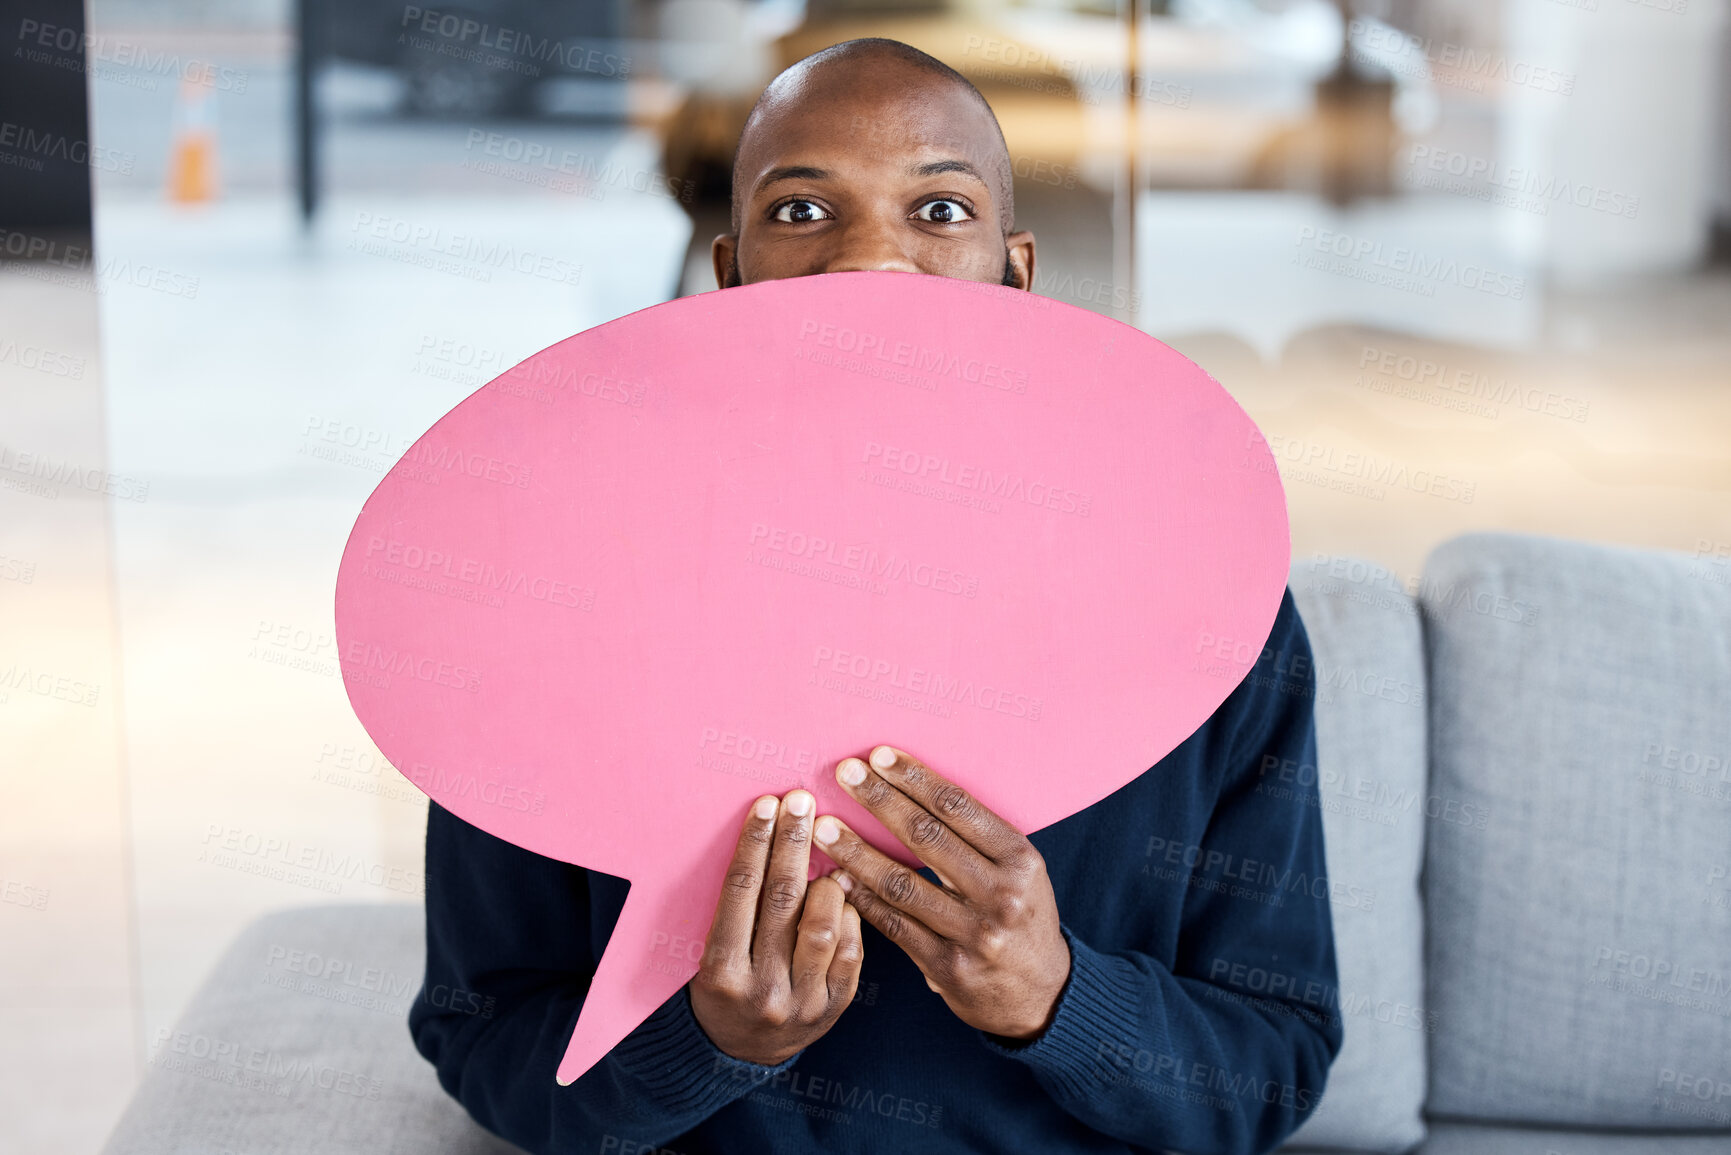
{"x":703,"y":552}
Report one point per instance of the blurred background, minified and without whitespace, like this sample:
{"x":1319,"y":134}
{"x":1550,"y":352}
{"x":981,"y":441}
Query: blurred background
{"x":251,"y":249}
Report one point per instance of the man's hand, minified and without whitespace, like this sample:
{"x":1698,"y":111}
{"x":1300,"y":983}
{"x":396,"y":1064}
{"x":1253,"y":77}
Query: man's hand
{"x":988,"y":940}
{"x":782,"y":959}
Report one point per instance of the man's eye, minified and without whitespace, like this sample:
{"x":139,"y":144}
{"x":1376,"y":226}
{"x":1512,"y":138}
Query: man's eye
{"x":800,"y":212}
{"x":943,"y":212}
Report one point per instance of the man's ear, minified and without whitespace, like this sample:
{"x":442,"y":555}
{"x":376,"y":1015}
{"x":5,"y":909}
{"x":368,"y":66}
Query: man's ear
{"x":721,"y":253}
{"x":1021,"y":247}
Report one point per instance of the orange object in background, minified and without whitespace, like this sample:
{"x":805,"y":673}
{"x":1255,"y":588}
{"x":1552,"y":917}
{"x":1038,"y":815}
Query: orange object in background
{"x":192,"y":155}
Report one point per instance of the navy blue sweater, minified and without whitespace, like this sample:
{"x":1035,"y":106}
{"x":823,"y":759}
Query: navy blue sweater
{"x":1199,"y":1014}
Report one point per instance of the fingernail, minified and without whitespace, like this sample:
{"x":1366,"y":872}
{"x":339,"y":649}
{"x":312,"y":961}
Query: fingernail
{"x":828,"y":830}
{"x":799,"y":804}
{"x":843,"y":881}
{"x":851,"y":771}
{"x":883,"y":757}
{"x":765,"y":808}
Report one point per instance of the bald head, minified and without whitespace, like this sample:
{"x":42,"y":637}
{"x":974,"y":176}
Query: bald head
{"x":872,"y":155}
{"x":871,"y":78}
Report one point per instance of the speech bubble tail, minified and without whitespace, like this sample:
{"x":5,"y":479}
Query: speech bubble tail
{"x":636,"y":974}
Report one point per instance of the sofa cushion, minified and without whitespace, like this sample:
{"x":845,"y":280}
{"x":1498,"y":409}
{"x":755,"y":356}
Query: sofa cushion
{"x":1459,"y":1138}
{"x":1579,"y":945}
{"x":299,"y":1042}
{"x":1370,"y":734}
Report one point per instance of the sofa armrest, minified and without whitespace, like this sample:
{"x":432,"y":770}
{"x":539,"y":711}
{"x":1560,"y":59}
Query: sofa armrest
{"x":298,"y":1041}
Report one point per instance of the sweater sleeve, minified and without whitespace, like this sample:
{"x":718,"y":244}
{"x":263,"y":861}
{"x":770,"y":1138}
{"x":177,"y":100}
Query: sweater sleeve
{"x":509,"y":960}
{"x":1226,"y":1050}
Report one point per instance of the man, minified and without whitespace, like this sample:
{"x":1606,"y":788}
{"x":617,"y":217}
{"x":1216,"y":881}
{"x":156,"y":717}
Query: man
{"x":1064,"y":991}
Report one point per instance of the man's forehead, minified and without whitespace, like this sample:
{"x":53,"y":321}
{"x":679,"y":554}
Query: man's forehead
{"x":833,"y":159}
{"x":919,"y":112}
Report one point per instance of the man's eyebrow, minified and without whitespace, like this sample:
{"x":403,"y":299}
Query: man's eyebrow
{"x":792,"y":172}
{"x":939,"y":167}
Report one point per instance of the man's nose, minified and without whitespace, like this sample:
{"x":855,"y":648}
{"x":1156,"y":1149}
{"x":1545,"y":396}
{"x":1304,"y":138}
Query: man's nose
{"x":868,"y":247}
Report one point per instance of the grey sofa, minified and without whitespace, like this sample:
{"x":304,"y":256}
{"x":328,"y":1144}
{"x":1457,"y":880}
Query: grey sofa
{"x":1525,"y":774}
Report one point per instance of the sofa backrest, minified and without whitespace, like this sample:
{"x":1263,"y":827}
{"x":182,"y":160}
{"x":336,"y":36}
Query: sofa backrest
{"x":1579,"y":943}
{"x":1370,"y":777}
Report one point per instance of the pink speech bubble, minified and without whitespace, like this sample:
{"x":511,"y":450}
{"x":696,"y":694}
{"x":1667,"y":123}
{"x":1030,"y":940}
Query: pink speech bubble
{"x":703,"y":552}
